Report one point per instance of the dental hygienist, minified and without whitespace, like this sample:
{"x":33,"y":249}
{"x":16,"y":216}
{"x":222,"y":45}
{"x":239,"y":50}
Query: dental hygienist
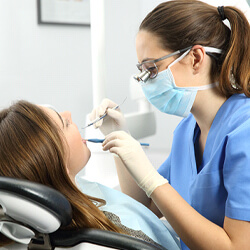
{"x":192,"y":65}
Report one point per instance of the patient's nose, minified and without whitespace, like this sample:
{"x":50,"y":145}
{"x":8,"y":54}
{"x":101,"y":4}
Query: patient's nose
{"x":66,"y":114}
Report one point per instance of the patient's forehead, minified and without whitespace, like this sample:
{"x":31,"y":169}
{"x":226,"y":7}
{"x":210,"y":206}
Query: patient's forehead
{"x":53,"y":115}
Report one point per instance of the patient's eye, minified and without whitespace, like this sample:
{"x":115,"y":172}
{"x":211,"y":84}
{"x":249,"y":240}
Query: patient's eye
{"x":67,"y":122}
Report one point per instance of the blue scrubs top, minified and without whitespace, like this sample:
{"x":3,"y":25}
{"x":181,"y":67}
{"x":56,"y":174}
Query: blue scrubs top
{"x":221,"y":185}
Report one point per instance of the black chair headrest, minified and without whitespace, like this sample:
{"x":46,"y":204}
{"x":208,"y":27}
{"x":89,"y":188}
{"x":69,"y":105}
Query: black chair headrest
{"x":42,"y":196}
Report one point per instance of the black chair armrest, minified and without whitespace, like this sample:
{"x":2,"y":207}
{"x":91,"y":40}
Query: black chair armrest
{"x":100,"y":237}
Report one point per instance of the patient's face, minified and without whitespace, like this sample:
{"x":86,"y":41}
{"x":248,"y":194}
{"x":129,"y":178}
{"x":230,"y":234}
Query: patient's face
{"x":79,"y":153}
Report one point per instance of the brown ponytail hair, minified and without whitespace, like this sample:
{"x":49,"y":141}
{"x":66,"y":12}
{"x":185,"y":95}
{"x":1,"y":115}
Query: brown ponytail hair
{"x":183,"y":23}
{"x":32,"y":147}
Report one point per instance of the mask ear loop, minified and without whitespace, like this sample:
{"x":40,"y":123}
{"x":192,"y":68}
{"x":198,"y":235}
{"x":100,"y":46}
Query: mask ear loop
{"x":179,"y":58}
{"x":207,"y":49}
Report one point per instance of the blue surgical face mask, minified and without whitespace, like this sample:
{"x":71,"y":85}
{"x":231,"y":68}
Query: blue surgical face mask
{"x":163,"y":93}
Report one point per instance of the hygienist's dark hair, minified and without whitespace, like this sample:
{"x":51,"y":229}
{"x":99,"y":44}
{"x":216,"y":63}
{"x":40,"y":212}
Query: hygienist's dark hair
{"x":183,"y":23}
{"x":33,"y":147}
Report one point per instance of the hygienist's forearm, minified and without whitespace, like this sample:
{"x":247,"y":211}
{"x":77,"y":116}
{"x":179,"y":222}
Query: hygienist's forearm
{"x":195,"y":230}
{"x":129,"y":187}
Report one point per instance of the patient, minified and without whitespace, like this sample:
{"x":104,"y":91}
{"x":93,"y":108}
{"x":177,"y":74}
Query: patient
{"x":43,"y":146}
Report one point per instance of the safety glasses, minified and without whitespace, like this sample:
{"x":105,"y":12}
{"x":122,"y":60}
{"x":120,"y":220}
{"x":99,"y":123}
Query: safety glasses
{"x":148,"y":69}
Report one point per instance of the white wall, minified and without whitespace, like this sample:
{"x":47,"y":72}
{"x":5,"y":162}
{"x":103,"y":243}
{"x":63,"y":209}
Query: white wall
{"x":41,"y":63}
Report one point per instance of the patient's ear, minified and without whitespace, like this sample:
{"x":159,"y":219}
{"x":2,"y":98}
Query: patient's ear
{"x":72,"y":177}
{"x":67,"y":171}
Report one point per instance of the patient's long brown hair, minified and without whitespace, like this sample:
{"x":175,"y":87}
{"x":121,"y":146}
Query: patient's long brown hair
{"x":33,"y":148}
{"x":183,"y":23}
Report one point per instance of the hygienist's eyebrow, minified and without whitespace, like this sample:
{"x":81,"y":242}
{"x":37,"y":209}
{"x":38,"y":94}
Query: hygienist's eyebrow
{"x":148,"y":59}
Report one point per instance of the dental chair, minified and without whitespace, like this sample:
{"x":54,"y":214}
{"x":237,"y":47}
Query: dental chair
{"x":32,"y":213}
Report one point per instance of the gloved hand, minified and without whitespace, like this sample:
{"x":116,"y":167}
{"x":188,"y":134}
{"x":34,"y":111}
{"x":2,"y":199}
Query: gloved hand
{"x":133,"y":157}
{"x":112,"y":122}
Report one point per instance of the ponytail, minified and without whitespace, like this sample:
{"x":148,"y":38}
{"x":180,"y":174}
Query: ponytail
{"x":235,"y":71}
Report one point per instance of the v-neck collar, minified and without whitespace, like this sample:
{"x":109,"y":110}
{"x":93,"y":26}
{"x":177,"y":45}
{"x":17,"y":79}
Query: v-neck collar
{"x":210,"y":137}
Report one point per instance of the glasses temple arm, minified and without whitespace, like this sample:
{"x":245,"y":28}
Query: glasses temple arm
{"x":167,"y":56}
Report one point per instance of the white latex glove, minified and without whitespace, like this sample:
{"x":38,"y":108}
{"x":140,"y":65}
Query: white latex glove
{"x":135,"y":160}
{"x":112,"y":122}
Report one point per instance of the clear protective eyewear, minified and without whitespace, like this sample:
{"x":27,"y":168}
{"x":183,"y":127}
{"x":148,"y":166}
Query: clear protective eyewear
{"x":148,"y":69}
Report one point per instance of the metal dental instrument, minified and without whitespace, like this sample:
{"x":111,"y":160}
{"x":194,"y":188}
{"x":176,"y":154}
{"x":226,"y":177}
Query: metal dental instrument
{"x":104,"y":115}
{"x":101,"y":141}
